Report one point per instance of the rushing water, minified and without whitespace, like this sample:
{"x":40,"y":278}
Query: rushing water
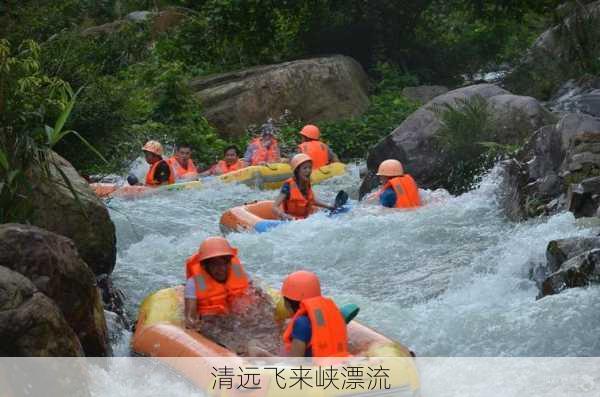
{"x":450,"y":279}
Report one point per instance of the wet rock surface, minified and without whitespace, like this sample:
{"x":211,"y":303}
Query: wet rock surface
{"x":54,"y":266}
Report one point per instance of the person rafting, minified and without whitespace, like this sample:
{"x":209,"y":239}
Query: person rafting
{"x":231,"y":162}
{"x":215,"y":277}
{"x":317,"y":327}
{"x":220,"y":299}
{"x":160,"y":173}
{"x":319,"y":152}
{"x":296,"y":197}
{"x":182,"y":164}
{"x":264,"y":149}
{"x":399,"y":190}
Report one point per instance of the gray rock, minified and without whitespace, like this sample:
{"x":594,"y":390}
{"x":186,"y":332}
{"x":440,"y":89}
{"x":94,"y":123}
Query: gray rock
{"x":559,"y":157}
{"x":515,"y":109}
{"x":552,"y":51}
{"x":52,"y":263}
{"x":578,"y":97}
{"x":317,"y":89}
{"x":571,"y":124}
{"x":579,"y":271}
{"x":30,"y":323}
{"x":579,"y":160}
{"x":139,"y":16}
{"x":551,"y":185}
{"x":413,"y":142}
{"x":107,"y":28}
{"x":84,"y":220}
{"x":559,"y":251}
{"x":584,"y":198}
{"x":546,"y":155}
{"x":511,"y":195}
{"x":424,"y":93}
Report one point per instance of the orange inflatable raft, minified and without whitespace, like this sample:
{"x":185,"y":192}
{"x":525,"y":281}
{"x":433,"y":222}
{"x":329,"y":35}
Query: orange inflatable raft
{"x":160,"y":333}
{"x":257,"y":216}
{"x":106,"y":190}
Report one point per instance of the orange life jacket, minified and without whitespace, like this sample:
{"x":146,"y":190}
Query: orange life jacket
{"x":224,"y":168}
{"x":181,"y":172}
{"x":212,"y":297}
{"x":317,"y":151}
{"x":261,"y":153}
{"x":297,"y":205}
{"x":150,"y":175}
{"x":328,"y":328}
{"x":407,"y":192}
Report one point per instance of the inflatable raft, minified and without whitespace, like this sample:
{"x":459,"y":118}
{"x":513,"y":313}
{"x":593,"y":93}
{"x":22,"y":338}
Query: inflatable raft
{"x":105,"y":190}
{"x":257,"y":216}
{"x":160,"y":333}
{"x":272,"y":176}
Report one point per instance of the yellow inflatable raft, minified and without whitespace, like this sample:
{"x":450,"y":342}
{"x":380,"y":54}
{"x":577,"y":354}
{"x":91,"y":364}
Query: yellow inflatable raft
{"x":160,"y":333}
{"x":272,"y":176}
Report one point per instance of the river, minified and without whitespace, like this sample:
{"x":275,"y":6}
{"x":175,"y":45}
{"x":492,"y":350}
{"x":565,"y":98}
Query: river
{"x":450,"y":279}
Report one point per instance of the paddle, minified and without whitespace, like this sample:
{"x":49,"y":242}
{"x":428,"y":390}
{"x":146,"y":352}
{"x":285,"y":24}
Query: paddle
{"x":349,"y":311}
{"x":340,"y":200}
{"x":132,"y":179}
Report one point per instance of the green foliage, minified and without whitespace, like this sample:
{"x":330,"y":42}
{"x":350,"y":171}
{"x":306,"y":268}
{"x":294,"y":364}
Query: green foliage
{"x":28,"y":99}
{"x":83,"y":59}
{"x":149,"y":100}
{"x":467,"y":142}
{"x":227,"y":34}
{"x":463,"y":37}
{"x":574,"y":52}
{"x":134,"y":82}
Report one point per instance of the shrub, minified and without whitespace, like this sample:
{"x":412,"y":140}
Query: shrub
{"x":29,"y":99}
{"x":468,"y":142}
{"x":149,"y":100}
{"x":574,"y":52}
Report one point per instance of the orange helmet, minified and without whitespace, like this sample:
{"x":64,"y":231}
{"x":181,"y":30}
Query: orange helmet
{"x":153,"y":147}
{"x":390,"y":167}
{"x":301,"y":285}
{"x":213,"y":247}
{"x":310,"y":131}
{"x":298,"y":159}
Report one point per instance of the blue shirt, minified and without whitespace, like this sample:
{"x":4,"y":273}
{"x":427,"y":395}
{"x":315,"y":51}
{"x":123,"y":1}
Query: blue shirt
{"x":303,"y":331}
{"x":388,"y":198}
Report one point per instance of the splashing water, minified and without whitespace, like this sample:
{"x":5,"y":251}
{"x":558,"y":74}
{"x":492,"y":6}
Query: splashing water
{"x":450,"y":279}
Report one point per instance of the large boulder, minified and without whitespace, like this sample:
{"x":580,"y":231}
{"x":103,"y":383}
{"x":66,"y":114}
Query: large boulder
{"x":317,"y":89}
{"x":557,"y":169}
{"x":560,"y":251}
{"x":30,"y":323}
{"x":424,"y":93}
{"x":159,"y":22}
{"x":414,"y":140}
{"x":52,"y":263}
{"x":583,"y":199}
{"x":581,"y":96}
{"x":84,"y":219}
{"x":579,"y":271}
